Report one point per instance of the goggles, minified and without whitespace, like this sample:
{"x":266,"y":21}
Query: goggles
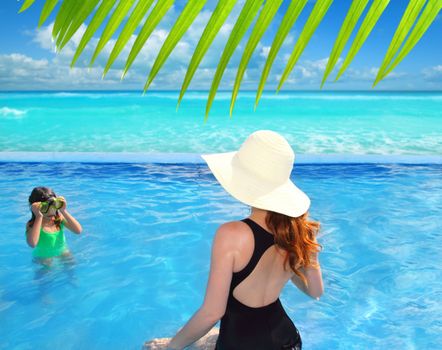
{"x":55,"y":202}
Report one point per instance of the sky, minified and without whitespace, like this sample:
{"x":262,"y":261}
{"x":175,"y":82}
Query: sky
{"x":28,"y":60}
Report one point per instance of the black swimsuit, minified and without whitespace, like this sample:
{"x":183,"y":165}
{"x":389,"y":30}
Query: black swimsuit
{"x":256,"y":328}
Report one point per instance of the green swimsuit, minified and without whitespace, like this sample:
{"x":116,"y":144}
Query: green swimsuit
{"x":50,"y":244}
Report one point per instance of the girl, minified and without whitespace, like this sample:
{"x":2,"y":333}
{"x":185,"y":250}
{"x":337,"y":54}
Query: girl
{"x":44,"y":231}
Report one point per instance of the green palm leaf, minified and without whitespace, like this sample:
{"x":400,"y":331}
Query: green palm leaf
{"x":219,"y":16}
{"x":63,"y":18}
{"x":408,"y":19}
{"x":290,"y":17}
{"x":375,"y":11}
{"x":95,"y":23}
{"x":319,"y":10}
{"x":353,"y":15}
{"x":26,"y":5}
{"x":185,"y":19}
{"x":155,"y":16}
{"x":265,"y":17}
{"x":65,"y":35}
{"x":70,"y":16}
{"x":427,"y":17}
{"x":243,"y":22}
{"x":46,"y":11}
{"x":137,"y":15}
{"x":117,"y":17}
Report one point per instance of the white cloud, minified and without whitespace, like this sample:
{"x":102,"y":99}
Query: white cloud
{"x":264,"y":51}
{"x":433,"y":73}
{"x":18,"y":71}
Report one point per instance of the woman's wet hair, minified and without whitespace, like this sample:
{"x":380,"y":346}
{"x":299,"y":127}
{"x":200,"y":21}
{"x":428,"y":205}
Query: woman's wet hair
{"x":42,"y":194}
{"x":297,"y":236}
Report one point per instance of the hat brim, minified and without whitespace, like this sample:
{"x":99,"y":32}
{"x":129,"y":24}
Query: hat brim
{"x":284,"y":198}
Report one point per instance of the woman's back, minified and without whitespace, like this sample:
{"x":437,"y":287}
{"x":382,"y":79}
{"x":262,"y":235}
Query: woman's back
{"x":265,"y":282}
{"x":255,"y":318}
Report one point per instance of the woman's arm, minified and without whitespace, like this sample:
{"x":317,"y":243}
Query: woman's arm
{"x":217,"y":292}
{"x":198,"y":325}
{"x":71,"y":223}
{"x":315,"y":287}
{"x":33,"y":234}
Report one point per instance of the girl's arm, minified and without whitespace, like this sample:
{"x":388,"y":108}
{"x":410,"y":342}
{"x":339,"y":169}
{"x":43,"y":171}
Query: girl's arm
{"x":72,"y":224}
{"x":33,"y":234}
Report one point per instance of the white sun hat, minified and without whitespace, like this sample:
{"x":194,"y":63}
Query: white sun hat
{"x":258,"y":174}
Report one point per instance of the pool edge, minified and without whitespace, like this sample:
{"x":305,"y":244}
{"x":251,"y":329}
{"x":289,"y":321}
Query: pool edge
{"x":195,"y":158}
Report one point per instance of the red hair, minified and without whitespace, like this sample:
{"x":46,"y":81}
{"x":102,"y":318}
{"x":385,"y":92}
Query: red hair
{"x":297,"y":236}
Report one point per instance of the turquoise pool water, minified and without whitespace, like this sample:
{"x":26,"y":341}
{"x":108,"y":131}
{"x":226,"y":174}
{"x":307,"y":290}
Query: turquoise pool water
{"x":142,"y":262}
{"x":313,"y":122}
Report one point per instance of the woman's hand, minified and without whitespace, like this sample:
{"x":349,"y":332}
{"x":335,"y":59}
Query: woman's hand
{"x":157,"y":344}
{"x":35,"y":207}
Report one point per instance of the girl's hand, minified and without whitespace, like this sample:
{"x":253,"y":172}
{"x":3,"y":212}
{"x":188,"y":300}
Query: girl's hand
{"x":35,"y":207}
{"x":64,"y":203}
{"x":157,"y":344}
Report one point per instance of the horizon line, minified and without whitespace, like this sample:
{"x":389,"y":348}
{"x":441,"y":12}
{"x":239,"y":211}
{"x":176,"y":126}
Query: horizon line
{"x":222,"y":90}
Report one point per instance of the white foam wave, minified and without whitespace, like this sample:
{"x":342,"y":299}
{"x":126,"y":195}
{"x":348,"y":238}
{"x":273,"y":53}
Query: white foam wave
{"x":67,"y":94}
{"x":6,"y":111}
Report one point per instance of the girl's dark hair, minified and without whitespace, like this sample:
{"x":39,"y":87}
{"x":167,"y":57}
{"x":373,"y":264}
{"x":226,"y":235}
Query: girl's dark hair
{"x":297,"y":236}
{"x":42,"y":194}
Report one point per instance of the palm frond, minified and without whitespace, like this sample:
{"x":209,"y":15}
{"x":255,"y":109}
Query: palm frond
{"x":218,"y":18}
{"x":185,"y":19}
{"x":293,"y":11}
{"x":319,"y":10}
{"x":427,"y":17}
{"x":353,"y":15}
{"x":46,"y":11}
{"x":26,"y":5}
{"x":407,"y":21}
{"x":111,"y":14}
{"x":63,"y":19}
{"x":155,"y":16}
{"x":117,"y":17}
{"x":102,"y":11}
{"x":134,"y":20}
{"x":265,"y":17}
{"x":243,"y":22}
{"x":66,"y":34}
{"x":375,"y":11}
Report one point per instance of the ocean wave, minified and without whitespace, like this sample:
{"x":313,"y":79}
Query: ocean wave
{"x":351,"y":97}
{"x":6,"y":111}
{"x":67,"y":94}
{"x":294,"y":96}
{"x":93,"y":95}
{"x":226,"y":95}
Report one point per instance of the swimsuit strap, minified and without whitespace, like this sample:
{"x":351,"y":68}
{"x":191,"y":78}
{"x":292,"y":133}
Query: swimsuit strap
{"x":263,"y":240}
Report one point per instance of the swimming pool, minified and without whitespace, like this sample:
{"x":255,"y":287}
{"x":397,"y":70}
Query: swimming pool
{"x":142,"y":261}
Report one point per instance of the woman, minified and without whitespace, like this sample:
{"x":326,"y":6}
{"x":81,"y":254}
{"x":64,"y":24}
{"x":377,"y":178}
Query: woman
{"x":252,"y":259}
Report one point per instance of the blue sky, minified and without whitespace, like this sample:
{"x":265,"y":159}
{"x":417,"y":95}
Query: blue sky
{"x":28,"y":60}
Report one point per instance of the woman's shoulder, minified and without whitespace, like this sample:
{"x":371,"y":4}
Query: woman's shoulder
{"x":233,"y":226}
{"x":234,"y":231}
